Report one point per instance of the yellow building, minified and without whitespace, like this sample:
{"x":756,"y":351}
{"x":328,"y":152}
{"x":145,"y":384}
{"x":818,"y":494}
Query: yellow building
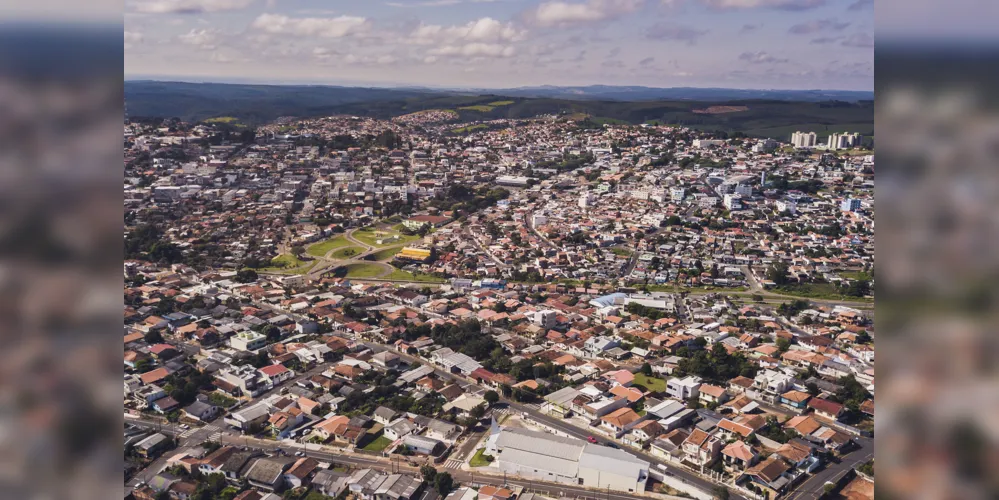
{"x":411,"y":253}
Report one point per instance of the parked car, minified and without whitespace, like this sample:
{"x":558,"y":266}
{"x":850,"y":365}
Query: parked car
{"x":591,"y":439}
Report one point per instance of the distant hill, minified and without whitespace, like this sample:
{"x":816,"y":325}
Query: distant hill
{"x":637,"y":93}
{"x":769,"y":117}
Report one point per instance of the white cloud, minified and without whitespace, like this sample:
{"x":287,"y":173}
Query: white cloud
{"x":133,"y":37}
{"x":675,"y":32}
{"x":475,"y":50}
{"x":189,"y":6}
{"x":559,"y":13}
{"x":204,"y":39}
{"x":760,"y":58}
{"x":818,"y":26}
{"x":859,"y":40}
{"x":486,"y":29}
{"x":771,"y":4}
{"x":327,"y":27}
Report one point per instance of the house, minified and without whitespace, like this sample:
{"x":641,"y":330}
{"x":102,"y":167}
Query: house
{"x":267,"y":473}
{"x":490,"y":492}
{"x":276,"y":374}
{"x":769,"y":478}
{"x":202,"y":411}
{"x":712,"y":394}
{"x":701,"y":448}
{"x":329,"y":482}
{"x":153,"y":445}
{"x":669,"y":446}
{"x":620,"y":420}
{"x":248,"y":418}
{"x":825,"y":408}
{"x":384,"y":415}
{"x":645,"y":431}
{"x":796,"y":400}
{"x":423,"y":445}
{"x":738,"y":455}
{"x":444,"y":431}
{"x":683,"y":388}
{"x":298,"y":474}
{"x":804,"y":425}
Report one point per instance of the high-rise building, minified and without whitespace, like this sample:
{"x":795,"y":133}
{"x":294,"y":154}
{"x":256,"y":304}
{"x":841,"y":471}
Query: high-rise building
{"x":843,"y":141}
{"x":804,"y":140}
{"x":850,"y":205}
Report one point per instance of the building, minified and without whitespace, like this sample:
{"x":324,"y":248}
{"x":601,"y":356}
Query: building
{"x":732,"y":201}
{"x":683,"y":388}
{"x":548,"y":457}
{"x":850,"y":205}
{"x":804,"y":140}
{"x":843,"y":141}
{"x":415,"y":254}
{"x":247,"y":340}
{"x":586,"y":200}
{"x":513,"y":181}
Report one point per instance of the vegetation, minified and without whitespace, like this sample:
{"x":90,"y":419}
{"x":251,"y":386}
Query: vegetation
{"x":378,"y":444}
{"x":322,"y":248}
{"x":362,"y":271}
{"x":346,"y":253}
{"x":716,"y":365}
{"x":386,"y":254}
{"x":480,"y":459}
{"x":650,"y":383}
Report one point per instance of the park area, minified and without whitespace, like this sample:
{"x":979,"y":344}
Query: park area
{"x":323,"y":247}
{"x":288,"y":264}
{"x":383,"y":237}
{"x":480,"y":459}
{"x":650,"y":383}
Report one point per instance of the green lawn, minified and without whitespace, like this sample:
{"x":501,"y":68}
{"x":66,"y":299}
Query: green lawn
{"x":399,"y":274}
{"x":480,"y":108}
{"x":387,"y":254}
{"x":470,"y":128}
{"x":621,"y":251}
{"x":856,"y":275}
{"x":378,"y":444}
{"x":347,"y":252}
{"x":826,"y":291}
{"x":480,"y":459}
{"x":288,"y":264}
{"x":370,"y":236}
{"x":364,"y":271}
{"x":320,"y":249}
{"x":500,"y":103}
{"x":651,"y":383}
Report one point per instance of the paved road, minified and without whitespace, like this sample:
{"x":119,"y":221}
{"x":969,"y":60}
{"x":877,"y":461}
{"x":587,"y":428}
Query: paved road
{"x":813,"y":487}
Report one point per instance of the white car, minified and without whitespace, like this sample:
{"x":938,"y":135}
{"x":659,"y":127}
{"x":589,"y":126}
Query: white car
{"x":185,"y":426}
{"x":299,"y":454}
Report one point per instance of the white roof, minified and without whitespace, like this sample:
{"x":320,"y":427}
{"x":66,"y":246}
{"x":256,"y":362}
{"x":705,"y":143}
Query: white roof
{"x":612,"y":460}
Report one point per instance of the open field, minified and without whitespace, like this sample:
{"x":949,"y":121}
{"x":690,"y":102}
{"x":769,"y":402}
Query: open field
{"x":288,"y":264}
{"x":480,"y":459}
{"x":399,"y":274}
{"x":320,"y":249}
{"x":826,"y":291}
{"x":347,"y":252}
{"x":370,"y":237}
{"x":378,"y":444}
{"x":651,"y":383}
{"x":364,"y":271}
{"x":470,"y":128}
{"x":386,"y":254}
{"x":481,"y":108}
{"x":500,"y":103}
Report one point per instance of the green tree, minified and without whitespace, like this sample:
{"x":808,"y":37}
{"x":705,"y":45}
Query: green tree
{"x":783,"y":345}
{"x":778,"y":273}
{"x":429,"y":473}
{"x":444,"y":483}
{"x":491,"y":397}
{"x":153,"y":337}
{"x":246,"y":276}
{"x":646,"y":369}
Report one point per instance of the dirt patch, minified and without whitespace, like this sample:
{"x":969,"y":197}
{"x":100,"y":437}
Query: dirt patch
{"x":858,"y":489}
{"x":719,"y":110}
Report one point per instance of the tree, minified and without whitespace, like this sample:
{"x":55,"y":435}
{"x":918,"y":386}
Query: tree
{"x":478,"y":412}
{"x":246,"y":276}
{"x":813,"y":389}
{"x":778,"y":273}
{"x":720,"y":492}
{"x":297,"y":250}
{"x":783,"y":345}
{"x":491,"y":397}
{"x":507,"y":390}
{"x":153,"y":337}
{"x":444,"y":483}
{"x":646,"y":369}
{"x":429,"y":473}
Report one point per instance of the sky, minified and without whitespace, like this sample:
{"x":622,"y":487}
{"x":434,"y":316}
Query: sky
{"x":751,"y":44}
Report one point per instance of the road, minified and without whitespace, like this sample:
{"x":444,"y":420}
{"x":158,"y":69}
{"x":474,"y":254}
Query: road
{"x":814,"y":487}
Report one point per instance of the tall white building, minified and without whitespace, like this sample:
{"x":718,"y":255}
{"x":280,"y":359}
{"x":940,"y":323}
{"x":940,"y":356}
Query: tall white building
{"x":843,"y":141}
{"x":676,"y":194}
{"x":804,"y":139}
{"x":586,"y":200}
{"x":733,"y":201}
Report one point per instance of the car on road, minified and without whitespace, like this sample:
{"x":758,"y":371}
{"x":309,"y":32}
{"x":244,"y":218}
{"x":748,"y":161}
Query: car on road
{"x":185,"y":426}
{"x":591,"y":439}
{"x":612,"y":445}
{"x":299,"y":454}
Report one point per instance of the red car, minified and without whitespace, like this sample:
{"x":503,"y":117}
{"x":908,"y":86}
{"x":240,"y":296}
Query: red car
{"x":591,"y":439}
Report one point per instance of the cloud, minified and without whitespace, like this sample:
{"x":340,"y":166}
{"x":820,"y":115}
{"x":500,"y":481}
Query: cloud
{"x":749,"y":28}
{"x":133,"y":37}
{"x":647,"y":61}
{"x":559,"y":13}
{"x":859,"y":40}
{"x":189,"y":6}
{"x":203,"y":39}
{"x":486,"y":30}
{"x":792,"y":5}
{"x":825,"y":40}
{"x":327,"y":27}
{"x":860,"y":5}
{"x":675,"y":32}
{"x":492,"y":50}
{"x":760,"y":58}
{"x":818,"y":26}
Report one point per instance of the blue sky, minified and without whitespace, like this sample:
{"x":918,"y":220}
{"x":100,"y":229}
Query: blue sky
{"x":788,"y":44}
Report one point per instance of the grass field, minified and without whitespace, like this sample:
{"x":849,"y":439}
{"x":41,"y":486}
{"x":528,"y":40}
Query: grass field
{"x":222,"y":119}
{"x":825,"y":291}
{"x":364,"y":271}
{"x":500,"y":103}
{"x":399,"y":274}
{"x":347,"y":252}
{"x":320,"y":249}
{"x":480,"y":459}
{"x":621,"y":251}
{"x":369,"y":236}
{"x":470,"y":128}
{"x":387,"y":254}
{"x":856,"y":275}
{"x":651,"y":383}
{"x":378,"y":444}
{"x":482,"y":108}
{"x":288,"y":264}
